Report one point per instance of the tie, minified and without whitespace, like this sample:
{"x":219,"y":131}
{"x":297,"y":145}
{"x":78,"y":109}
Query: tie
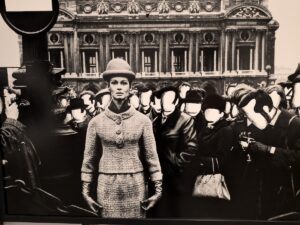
{"x":163,"y":119}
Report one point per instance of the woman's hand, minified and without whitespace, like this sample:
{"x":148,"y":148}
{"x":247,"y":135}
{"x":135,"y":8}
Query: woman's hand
{"x":150,"y":202}
{"x":86,"y":192}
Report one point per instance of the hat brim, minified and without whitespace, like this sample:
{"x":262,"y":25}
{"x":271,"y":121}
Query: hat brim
{"x":107,"y":75}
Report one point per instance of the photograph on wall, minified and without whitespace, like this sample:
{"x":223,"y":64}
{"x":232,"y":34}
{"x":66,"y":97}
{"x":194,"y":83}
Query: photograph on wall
{"x":168,"y":109}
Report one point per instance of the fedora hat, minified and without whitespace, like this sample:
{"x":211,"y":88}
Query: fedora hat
{"x":295,"y":77}
{"x":195,"y":96}
{"x":76,"y":103}
{"x":118,"y":67}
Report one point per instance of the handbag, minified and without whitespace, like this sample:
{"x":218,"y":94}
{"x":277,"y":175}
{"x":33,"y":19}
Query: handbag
{"x":211,"y":185}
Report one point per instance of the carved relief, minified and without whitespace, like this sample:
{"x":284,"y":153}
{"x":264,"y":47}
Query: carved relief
{"x":63,"y":16}
{"x":118,"y":7}
{"x":133,"y":7}
{"x":194,"y":7}
{"x":248,"y":12}
{"x":163,"y":7}
{"x":102,"y":7}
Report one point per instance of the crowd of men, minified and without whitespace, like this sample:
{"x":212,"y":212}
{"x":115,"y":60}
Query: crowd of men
{"x":252,"y":134}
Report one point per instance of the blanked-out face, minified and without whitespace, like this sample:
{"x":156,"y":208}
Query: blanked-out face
{"x":276,"y":99}
{"x":135,"y":101}
{"x":87,"y":100}
{"x":256,"y":118}
{"x":296,"y":96}
{"x":183,"y":90}
{"x":213,"y":115}
{"x":119,"y":87}
{"x":78,"y":114}
{"x":193,"y":109}
{"x":168,"y":102}
{"x":105,"y":100}
{"x":156,"y":105}
{"x":145,"y":98}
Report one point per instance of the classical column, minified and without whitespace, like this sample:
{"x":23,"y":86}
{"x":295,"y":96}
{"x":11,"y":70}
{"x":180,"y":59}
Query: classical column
{"x":167,"y":63}
{"x":143,"y":61}
{"x":215,"y":60}
{"x":97,"y":62}
{"x":61,"y":58}
{"x":263,"y":44}
{"x":137,"y":53}
{"x":107,"y":50}
{"x":185,"y":61}
{"x":191,"y":52}
{"x":172,"y":61}
{"x":112,"y":54}
{"x":83,"y":62}
{"x":130,"y":51}
{"x":161,"y":43}
{"x":233,"y":50}
{"x":238,"y":59}
{"x":221,"y":49}
{"x":251,"y":59}
{"x":66,"y":52}
{"x":226,"y":51}
{"x":155,"y":61}
{"x":197,"y":52}
{"x":101,"y":54}
{"x":201,"y":60}
{"x":76,"y":61}
{"x":256,"y":51}
{"x":126,"y":56}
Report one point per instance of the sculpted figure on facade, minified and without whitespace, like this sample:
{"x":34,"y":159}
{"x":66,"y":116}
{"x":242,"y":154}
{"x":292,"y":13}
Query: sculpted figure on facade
{"x":163,"y":7}
{"x":102,"y":7}
{"x":133,"y":7}
{"x":194,"y":7}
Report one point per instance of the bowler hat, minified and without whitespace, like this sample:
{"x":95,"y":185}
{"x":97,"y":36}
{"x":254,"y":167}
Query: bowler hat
{"x":118,"y":67}
{"x":165,"y":89}
{"x":295,"y":76}
{"x":214,"y":101}
{"x":76,"y":103}
{"x":195,"y":96}
{"x":104,"y":91}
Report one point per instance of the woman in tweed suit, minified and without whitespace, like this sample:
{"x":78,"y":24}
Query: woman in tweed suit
{"x":113,"y":155}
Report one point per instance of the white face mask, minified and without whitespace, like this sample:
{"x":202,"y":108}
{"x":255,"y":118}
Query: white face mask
{"x":256,"y":118}
{"x":145,"y":98}
{"x":296,"y":96}
{"x":193,"y":109}
{"x":156,"y":105}
{"x":183,"y":90}
{"x":78,"y":115}
{"x":105,"y":100}
{"x":276,"y":99}
{"x":213,"y":115}
{"x":168,"y":104}
{"x":135,"y":101}
{"x":234,"y":111}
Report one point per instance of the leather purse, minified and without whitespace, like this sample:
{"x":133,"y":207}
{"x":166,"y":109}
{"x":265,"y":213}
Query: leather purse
{"x":211,"y":185}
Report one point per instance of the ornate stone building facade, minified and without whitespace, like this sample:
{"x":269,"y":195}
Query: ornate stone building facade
{"x":227,"y":41}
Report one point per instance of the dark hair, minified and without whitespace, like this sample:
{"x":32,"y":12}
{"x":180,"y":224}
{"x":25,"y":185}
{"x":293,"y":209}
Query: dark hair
{"x":280,"y":92}
{"x":154,"y":95}
{"x":262,"y":99}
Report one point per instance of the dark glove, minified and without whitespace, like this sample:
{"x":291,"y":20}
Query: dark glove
{"x":86,"y":192}
{"x":257,"y":147}
{"x":150,"y":202}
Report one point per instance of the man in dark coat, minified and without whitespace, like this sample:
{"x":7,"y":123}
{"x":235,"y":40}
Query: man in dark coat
{"x":177,"y":146}
{"x":276,"y":143}
{"x":215,"y":142}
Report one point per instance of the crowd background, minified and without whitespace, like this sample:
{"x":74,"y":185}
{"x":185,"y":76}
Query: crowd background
{"x":252,"y":134}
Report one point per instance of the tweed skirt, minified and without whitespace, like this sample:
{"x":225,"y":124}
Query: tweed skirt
{"x":121,"y":195}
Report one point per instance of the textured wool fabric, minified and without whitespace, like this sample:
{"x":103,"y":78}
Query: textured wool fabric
{"x":121,"y":195}
{"x":113,"y":152}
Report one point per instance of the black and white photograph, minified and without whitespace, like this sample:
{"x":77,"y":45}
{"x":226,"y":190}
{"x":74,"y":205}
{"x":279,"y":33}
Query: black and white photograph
{"x":150,"y":109}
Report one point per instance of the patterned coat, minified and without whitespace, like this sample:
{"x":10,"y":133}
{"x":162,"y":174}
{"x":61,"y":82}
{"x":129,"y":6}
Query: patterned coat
{"x":113,"y":147}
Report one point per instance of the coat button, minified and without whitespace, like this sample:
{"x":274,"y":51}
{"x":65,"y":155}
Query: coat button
{"x":121,"y":145}
{"x":118,"y":132}
{"x":118,"y":121}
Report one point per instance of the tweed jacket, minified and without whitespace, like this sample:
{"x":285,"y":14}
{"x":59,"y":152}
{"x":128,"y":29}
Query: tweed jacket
{"x":113,"y":145}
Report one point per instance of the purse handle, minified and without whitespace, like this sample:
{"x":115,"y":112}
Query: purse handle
{"x":213,"y":164}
